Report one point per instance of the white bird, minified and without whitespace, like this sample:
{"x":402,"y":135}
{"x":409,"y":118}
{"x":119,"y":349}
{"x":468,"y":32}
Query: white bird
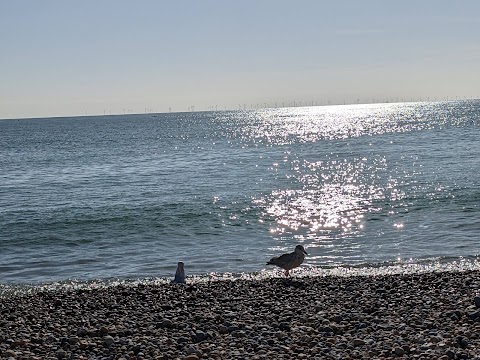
{"x":179,"y":274}
{"x":289,"y":261}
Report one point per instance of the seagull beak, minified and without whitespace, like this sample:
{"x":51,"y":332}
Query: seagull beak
{"x":305,"y":252}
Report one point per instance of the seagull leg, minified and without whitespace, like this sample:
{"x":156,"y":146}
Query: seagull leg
{"x":287,"y":273}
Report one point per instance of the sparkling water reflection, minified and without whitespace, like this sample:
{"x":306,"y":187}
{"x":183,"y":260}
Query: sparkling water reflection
{"x":129,"y":196}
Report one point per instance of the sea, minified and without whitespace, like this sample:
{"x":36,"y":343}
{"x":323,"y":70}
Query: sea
{"x":392,"y":186}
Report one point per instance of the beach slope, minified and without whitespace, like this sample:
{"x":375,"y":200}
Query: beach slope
{"x":420,"y":316}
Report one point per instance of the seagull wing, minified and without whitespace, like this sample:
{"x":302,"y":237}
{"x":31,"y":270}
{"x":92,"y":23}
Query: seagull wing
{"x":282,"y":260}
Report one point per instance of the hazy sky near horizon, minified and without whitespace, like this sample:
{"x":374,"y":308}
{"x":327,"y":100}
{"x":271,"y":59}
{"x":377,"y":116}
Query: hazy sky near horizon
{"x":61,"y":57}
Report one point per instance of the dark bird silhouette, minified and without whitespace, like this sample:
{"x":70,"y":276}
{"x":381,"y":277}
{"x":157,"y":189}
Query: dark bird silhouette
{"x":289,"y":261}
{"x":179,"y":274}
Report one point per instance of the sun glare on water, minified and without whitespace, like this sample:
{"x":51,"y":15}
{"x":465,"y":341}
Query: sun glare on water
{"x":331,"y":186}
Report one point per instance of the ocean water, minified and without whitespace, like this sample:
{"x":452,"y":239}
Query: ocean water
{"x":127,"y":197}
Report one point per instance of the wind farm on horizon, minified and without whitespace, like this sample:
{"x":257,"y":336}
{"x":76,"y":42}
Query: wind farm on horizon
{"x":286,"y":104}
{"x":133,"y":110}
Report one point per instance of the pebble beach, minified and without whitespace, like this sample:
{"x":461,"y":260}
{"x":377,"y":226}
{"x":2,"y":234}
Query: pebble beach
{"x":434,"y":315}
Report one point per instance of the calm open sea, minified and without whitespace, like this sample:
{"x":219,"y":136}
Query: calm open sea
{"x":129,"y":196}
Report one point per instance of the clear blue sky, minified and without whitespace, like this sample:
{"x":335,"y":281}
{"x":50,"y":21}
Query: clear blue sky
{"x":71,"y":57}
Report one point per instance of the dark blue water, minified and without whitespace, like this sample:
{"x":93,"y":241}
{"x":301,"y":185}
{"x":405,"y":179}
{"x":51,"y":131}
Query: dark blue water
{"x":129,"y":196}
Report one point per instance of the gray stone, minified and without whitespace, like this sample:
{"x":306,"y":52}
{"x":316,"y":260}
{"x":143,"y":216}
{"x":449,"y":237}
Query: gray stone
{"x":474,"y":314}
{"x":435,"y":339}
{"x":61,"y":354}
{"x":223,"y":329}
{"x":327,"y":329}
{"x":199,"y":336}
{"x":165,"y":323}
{"x":358,"y":342}
{"x":477,"y":301}
{"x":191,"y":357}
{"x":10,"y":353}
{"x":72,"y":340}
{"x":191,"y":350}
{"x":81,"y":332}
{"x":108,"y":340}
{"x":238,"y":333}
{"x":450,"y":354}
{"x":182,"y":340}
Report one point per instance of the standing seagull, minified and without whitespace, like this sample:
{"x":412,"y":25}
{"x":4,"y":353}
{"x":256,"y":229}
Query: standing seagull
{"x":289,"y":261}
{"x":179,"y":274}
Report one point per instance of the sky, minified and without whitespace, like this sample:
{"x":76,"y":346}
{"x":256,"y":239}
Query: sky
{"x":69,"y":58}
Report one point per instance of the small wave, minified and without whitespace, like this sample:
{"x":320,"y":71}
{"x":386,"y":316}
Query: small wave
{"x":443,"y":264}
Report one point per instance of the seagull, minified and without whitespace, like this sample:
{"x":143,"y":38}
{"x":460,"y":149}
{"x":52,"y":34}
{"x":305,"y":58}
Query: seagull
{"x":179,"y":274}
{"x":289,"y":261}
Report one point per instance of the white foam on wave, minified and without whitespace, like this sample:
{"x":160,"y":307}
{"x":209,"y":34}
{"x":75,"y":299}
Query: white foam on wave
{"x":397,"y":268}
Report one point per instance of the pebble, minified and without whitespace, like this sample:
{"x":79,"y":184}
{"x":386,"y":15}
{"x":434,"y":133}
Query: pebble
{"x":61,"y":354}
{"x":428,"y":315}
{"x":199,"y":336}
{"x":167,"y":323}
{"x":108,"y":340}
{"x":182,"y":340}
{"x":191,"y":357}
{"x":10,"y":353}
{"x":73,"y":340}
{"x":358,"y":342}
{"x":192,"y":350}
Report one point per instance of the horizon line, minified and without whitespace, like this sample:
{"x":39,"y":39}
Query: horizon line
{"x":245,"y":109}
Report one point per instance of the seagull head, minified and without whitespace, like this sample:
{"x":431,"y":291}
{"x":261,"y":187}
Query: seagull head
{"x":300,"y":250}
